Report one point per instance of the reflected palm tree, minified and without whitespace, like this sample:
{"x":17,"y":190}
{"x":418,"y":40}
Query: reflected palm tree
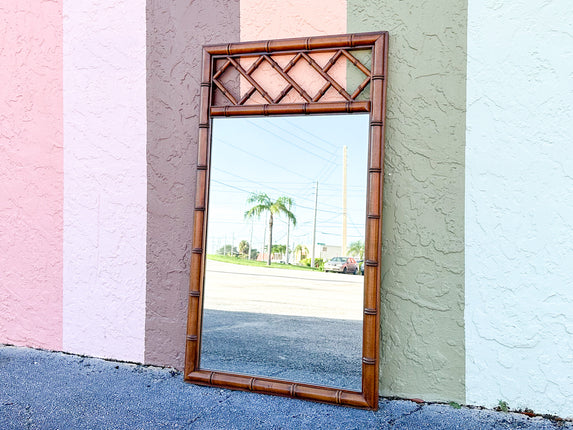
{"x":300,"y":251}
{"x":356,"y":249}
{"x":264,"y":204}
{"x":279,"y":249}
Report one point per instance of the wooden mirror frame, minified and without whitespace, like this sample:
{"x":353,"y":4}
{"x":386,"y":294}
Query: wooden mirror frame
{"x":339,"y":45}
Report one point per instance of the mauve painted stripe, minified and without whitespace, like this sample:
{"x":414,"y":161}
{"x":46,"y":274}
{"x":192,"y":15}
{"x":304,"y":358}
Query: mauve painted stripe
{"x":105,"y":178}
{"x":31,"y":174}
{"x":173,"y":77}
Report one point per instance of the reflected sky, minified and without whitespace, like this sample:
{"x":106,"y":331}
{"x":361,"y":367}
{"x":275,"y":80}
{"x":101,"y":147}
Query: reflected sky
{"x":286,"y":156}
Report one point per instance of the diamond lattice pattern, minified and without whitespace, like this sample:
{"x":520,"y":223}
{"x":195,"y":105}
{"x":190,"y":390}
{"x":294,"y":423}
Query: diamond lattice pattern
{"x":290,"y":78}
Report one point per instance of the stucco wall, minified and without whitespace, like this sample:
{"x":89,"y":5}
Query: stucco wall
{"x":31,"y":174}
{"x":105,"y":178}
{"x":422,"y":324}
{"x":97,"y":167}
{"x":176,"y":32}
{"x":519,"y":206}
{"x":276,"y":19}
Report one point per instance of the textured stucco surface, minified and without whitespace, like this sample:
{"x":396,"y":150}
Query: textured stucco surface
{"x":519,"y":205}
{"x":422,"y":324}
{"x":105,"y":178}
{"x":31,"y":173}
{"x":176,"y":32}
{"x":276,"y":19}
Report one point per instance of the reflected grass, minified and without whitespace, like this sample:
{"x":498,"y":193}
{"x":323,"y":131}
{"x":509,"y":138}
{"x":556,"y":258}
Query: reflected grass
{"x":245,"y":262}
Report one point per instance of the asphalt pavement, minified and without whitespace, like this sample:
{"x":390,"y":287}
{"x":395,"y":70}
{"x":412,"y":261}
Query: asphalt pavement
{"x":318,"y":351}
{"x":52,"y":390}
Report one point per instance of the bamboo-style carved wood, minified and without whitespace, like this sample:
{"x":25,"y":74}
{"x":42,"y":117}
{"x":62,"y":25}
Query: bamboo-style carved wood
{"x":232,"y":62}
{"x":292,"y":109}
{"x":228,"y":58}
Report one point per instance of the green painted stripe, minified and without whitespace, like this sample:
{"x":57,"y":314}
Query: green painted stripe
{"x":423,"y":350}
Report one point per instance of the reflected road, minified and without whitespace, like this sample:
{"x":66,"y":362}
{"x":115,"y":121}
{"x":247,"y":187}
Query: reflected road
{"x":236,"y":288}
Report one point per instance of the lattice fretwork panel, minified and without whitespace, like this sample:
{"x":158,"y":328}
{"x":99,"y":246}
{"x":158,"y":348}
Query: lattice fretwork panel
{"x":341,"y":75}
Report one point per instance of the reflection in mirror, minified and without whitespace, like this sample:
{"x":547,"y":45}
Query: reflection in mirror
{"x":279,"y":187}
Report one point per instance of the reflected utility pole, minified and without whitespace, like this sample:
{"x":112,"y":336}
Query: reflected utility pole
{"x":314,"y":226}
{"x":250,"y":247}
{"x":288,"y":234}
{"x":265,"y":237}
{"x":344,"y":151}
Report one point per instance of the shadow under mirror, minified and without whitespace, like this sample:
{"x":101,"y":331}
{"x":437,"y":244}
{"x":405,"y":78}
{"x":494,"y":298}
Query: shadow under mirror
{"x":279,"y":187}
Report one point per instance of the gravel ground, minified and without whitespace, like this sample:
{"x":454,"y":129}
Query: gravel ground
{"x":52,"y":390}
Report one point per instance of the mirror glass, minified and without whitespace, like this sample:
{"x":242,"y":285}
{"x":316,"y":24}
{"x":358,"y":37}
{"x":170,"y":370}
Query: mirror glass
{"x":294,"y":182}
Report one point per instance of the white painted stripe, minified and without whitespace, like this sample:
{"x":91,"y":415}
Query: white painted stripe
{"x":519,"y":206}
{"x":105,"y":178}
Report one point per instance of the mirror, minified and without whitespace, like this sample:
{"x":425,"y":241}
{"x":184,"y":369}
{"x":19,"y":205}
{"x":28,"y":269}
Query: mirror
{"x":286,"y":320}
{"x":279,"y":120}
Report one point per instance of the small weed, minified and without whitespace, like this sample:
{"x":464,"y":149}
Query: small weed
{"x":502,"y":406}
{"x":455,"y":405}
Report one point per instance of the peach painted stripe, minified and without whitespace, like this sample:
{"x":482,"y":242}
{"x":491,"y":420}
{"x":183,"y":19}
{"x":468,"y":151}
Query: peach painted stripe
{"x":31,"y":174}
{"x":276,"y":19}
{"x":105,"y":192}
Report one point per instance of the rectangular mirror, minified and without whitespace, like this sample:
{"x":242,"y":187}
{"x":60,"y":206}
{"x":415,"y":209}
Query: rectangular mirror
{"x":285,"y":271}
{"x":286,"y":320}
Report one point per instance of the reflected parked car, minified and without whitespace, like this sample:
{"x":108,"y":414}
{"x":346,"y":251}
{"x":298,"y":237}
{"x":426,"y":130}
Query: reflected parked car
{"x":342,"y":265}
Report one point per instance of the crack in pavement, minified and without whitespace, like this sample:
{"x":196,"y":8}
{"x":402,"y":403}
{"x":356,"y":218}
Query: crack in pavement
{"x":207,"y":411}
{"x":393,"y":421}
{"x":28,"y":417}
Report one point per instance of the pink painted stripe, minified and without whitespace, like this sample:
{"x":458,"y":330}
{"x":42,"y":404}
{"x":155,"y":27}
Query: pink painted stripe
{"x":31,"y":174}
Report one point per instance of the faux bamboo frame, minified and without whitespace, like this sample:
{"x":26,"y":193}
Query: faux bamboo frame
{"x":378,"y":43}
